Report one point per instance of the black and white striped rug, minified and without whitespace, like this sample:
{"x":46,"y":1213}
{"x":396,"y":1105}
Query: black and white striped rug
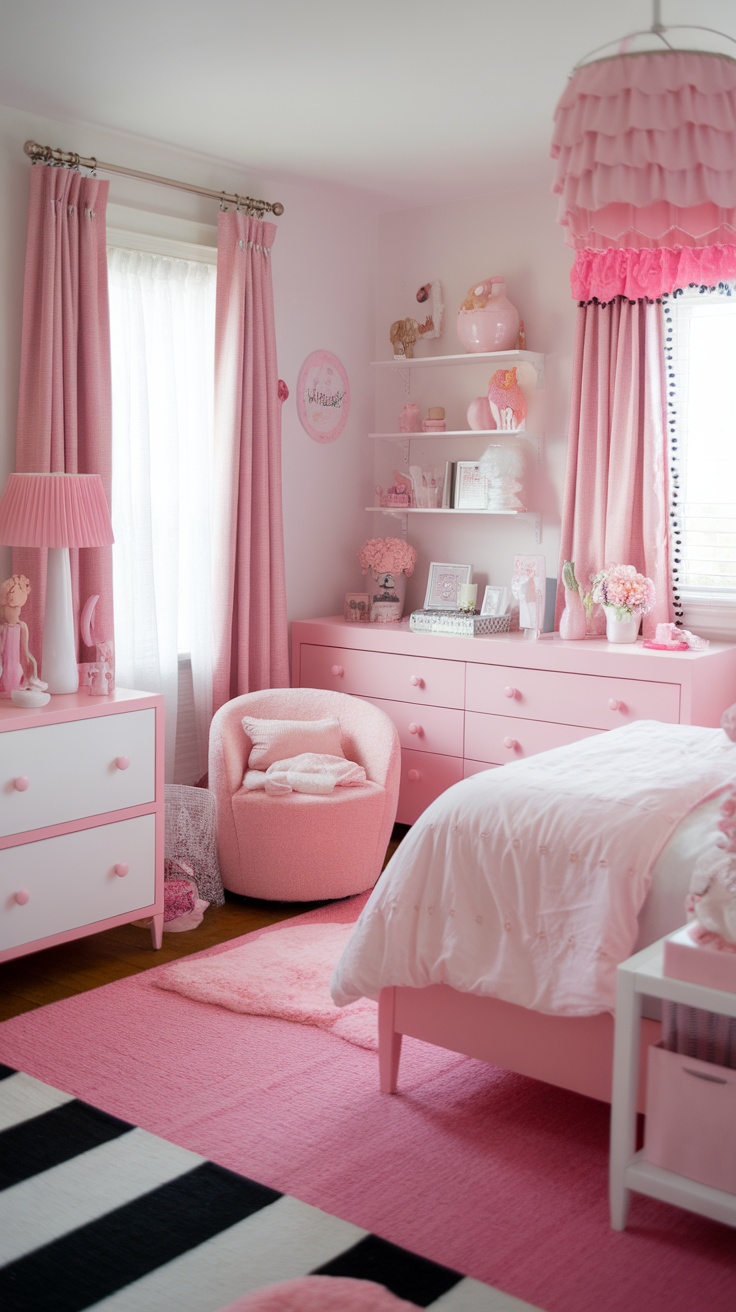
{"x":95,"y":1212}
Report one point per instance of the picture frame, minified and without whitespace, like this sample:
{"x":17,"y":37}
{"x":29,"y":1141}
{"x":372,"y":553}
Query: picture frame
{"x":443,"y":582}
{"x":357,"y":609}
{"x":470,"y":491}
{"x":495,"y":601}
{"x":323,"y":396}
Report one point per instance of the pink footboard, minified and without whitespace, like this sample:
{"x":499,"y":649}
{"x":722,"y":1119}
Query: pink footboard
{"x":572,"y":1052}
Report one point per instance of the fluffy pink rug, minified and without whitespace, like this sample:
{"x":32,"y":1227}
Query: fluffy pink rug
{"x":284,"y":974}
{"x":322,"y":1294}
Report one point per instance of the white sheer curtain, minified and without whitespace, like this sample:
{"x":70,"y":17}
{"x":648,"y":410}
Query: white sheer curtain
{"x":162,"y":314}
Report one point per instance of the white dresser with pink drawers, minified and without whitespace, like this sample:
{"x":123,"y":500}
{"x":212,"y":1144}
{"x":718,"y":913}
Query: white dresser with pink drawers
{"x":81,"y":818}
{"x":464,"y":704}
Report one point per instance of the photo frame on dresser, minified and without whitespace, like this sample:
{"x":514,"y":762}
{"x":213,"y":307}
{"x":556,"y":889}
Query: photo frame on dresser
{"x":443,"y":583}
{"x":495,"y":601}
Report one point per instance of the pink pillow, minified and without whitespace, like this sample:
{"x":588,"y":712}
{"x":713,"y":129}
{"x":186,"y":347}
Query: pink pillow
{"x":278,"y":740}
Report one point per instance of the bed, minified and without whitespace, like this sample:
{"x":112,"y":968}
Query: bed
{"x":497,"y":926}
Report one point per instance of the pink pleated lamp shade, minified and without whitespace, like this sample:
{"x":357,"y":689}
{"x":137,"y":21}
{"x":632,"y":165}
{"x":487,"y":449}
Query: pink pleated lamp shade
{"x":54,"y":510}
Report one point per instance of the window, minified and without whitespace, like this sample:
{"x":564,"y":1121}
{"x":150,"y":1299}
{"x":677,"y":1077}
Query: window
{"x":700,"y":347}
{"x":162,"y":314}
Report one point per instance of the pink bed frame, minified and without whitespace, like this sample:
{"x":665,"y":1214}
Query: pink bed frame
{"x":571,"y":1052}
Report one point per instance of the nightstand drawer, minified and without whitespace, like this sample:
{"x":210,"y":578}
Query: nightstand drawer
{"x":587,"y":700}
{"x":425,"y":728}
{"x":499,"y":739}
{"x":424,"y":680}
{"x":65,"y":772}
{"x":71,"y":881}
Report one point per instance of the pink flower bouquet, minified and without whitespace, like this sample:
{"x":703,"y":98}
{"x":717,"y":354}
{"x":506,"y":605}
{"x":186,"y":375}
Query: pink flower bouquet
{"x":387,"y":555}
{"x":621,"y":587}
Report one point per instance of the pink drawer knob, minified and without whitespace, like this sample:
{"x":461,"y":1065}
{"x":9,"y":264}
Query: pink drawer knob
{"x":510,"y":692}
{"x":337,"y":670}
{"x":22,"y":896}
{"x":415,"y":728}
{"x":20,"y":783}
{"x":616,"y":705}
{"x":122,"y":762}
{"x":416,"y":681}
{"x":121,"y":869}
{"x":413,"y":776}
{"x":511,"y":743}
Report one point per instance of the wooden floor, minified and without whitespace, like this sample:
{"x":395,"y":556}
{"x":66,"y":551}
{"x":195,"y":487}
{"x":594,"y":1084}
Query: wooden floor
{"x":59,"y":972}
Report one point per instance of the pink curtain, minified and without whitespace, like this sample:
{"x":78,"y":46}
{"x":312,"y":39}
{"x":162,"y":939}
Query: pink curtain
{"x":615,"y":501}
{"x":64,"y":402}
{"x":251,"y":648}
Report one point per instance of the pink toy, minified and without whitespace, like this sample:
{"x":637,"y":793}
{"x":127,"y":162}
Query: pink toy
{"x":506,"y":400}
{"x":18,"y":668}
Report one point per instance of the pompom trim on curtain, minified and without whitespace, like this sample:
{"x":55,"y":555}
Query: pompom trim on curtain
{"x":648,"y":274}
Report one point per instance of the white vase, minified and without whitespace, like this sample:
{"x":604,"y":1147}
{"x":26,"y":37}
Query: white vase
{"x":625,"y":629}
{"x":388,"y":593}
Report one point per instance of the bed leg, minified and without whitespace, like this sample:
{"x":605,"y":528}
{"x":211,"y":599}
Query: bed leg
{"x":389,"y":1042}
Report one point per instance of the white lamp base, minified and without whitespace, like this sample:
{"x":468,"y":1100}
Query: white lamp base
{"x":59,"y":657}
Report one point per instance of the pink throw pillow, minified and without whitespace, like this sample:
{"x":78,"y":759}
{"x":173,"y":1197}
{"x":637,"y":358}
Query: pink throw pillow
{"x":279,"y":740}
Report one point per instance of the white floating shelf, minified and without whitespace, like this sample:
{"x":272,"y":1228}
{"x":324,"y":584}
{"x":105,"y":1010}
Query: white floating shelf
{"x":467,"y":357}
{"x":454,"y":432}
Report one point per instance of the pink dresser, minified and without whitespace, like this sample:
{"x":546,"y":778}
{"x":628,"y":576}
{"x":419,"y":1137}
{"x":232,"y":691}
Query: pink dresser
{"x":81,"y":818}
{"x":464,"y":704}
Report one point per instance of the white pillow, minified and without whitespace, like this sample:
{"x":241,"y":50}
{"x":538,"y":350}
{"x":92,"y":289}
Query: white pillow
{"x":275,"y":740}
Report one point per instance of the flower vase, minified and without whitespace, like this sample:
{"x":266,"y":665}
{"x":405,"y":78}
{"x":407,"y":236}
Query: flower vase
{"x":573,"y":622}
{"x":388,"y":594}
{"x":621,"y":625}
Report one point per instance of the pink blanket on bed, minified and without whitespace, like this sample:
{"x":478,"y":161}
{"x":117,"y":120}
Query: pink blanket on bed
{"x":524,"y":883}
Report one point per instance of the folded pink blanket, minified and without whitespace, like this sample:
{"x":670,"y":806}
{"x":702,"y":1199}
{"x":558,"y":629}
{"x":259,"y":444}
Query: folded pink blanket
{"x":311,"y":772}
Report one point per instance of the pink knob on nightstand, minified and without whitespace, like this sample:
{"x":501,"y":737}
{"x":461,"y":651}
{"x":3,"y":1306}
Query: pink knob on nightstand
{"x":616,"y":705}
{"x":416,"y":681}
{"x":510,"y":692}
{"x":22,"y":896}
{"x":122,"y":762}
{"x":20,"y":783}
{"x":511,"y":743}
{"x":121,"y":869}
{"x":337,"y":670}
{"x":413,"y":776}
{"x":415,"y":728}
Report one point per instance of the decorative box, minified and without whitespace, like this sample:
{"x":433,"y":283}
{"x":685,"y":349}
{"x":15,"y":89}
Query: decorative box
{"x":388,"y":499}
{"x":684,"y":957}
{"x":457,"y":623}
{"x":689,"y":1118}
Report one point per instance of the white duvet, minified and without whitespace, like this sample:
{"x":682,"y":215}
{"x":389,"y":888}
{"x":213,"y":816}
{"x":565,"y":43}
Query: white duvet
{"x":529,"y":882}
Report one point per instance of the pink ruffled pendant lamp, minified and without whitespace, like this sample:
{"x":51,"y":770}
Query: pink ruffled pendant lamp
{"x":645,"y":144}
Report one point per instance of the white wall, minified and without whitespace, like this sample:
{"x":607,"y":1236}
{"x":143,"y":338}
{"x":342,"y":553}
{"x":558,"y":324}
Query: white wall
{"x":323,"y":266}
{"x":515,"y":235}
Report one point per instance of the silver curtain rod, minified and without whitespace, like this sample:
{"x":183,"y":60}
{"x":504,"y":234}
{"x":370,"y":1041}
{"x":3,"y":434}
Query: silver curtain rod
{"x":70,"y":160}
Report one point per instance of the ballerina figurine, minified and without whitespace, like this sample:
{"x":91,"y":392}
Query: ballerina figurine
{"x":18,"y":668}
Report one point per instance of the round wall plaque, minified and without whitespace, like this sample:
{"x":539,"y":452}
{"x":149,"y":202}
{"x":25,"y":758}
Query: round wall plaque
{"x":323,"y":396}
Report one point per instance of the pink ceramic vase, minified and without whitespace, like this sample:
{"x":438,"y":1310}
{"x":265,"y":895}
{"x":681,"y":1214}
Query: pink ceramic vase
{"x":573,"y":624}
{"x":494,"y":326}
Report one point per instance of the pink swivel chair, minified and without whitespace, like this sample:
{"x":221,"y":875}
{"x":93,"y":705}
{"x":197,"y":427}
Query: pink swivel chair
{"x":304,"y":847}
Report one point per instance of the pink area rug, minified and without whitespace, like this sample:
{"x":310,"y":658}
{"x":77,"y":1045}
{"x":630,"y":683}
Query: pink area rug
{"x":284,"y":974}
{"x":492,"y":1174}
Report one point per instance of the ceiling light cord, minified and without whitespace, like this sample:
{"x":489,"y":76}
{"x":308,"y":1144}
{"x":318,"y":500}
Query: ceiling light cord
{"x":657,"y":30}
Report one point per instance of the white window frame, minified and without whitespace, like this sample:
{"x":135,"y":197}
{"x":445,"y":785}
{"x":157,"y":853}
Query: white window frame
{"x":709,"y":612}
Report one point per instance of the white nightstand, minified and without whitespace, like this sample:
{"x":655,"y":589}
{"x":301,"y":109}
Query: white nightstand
{"x":641,"y":976}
